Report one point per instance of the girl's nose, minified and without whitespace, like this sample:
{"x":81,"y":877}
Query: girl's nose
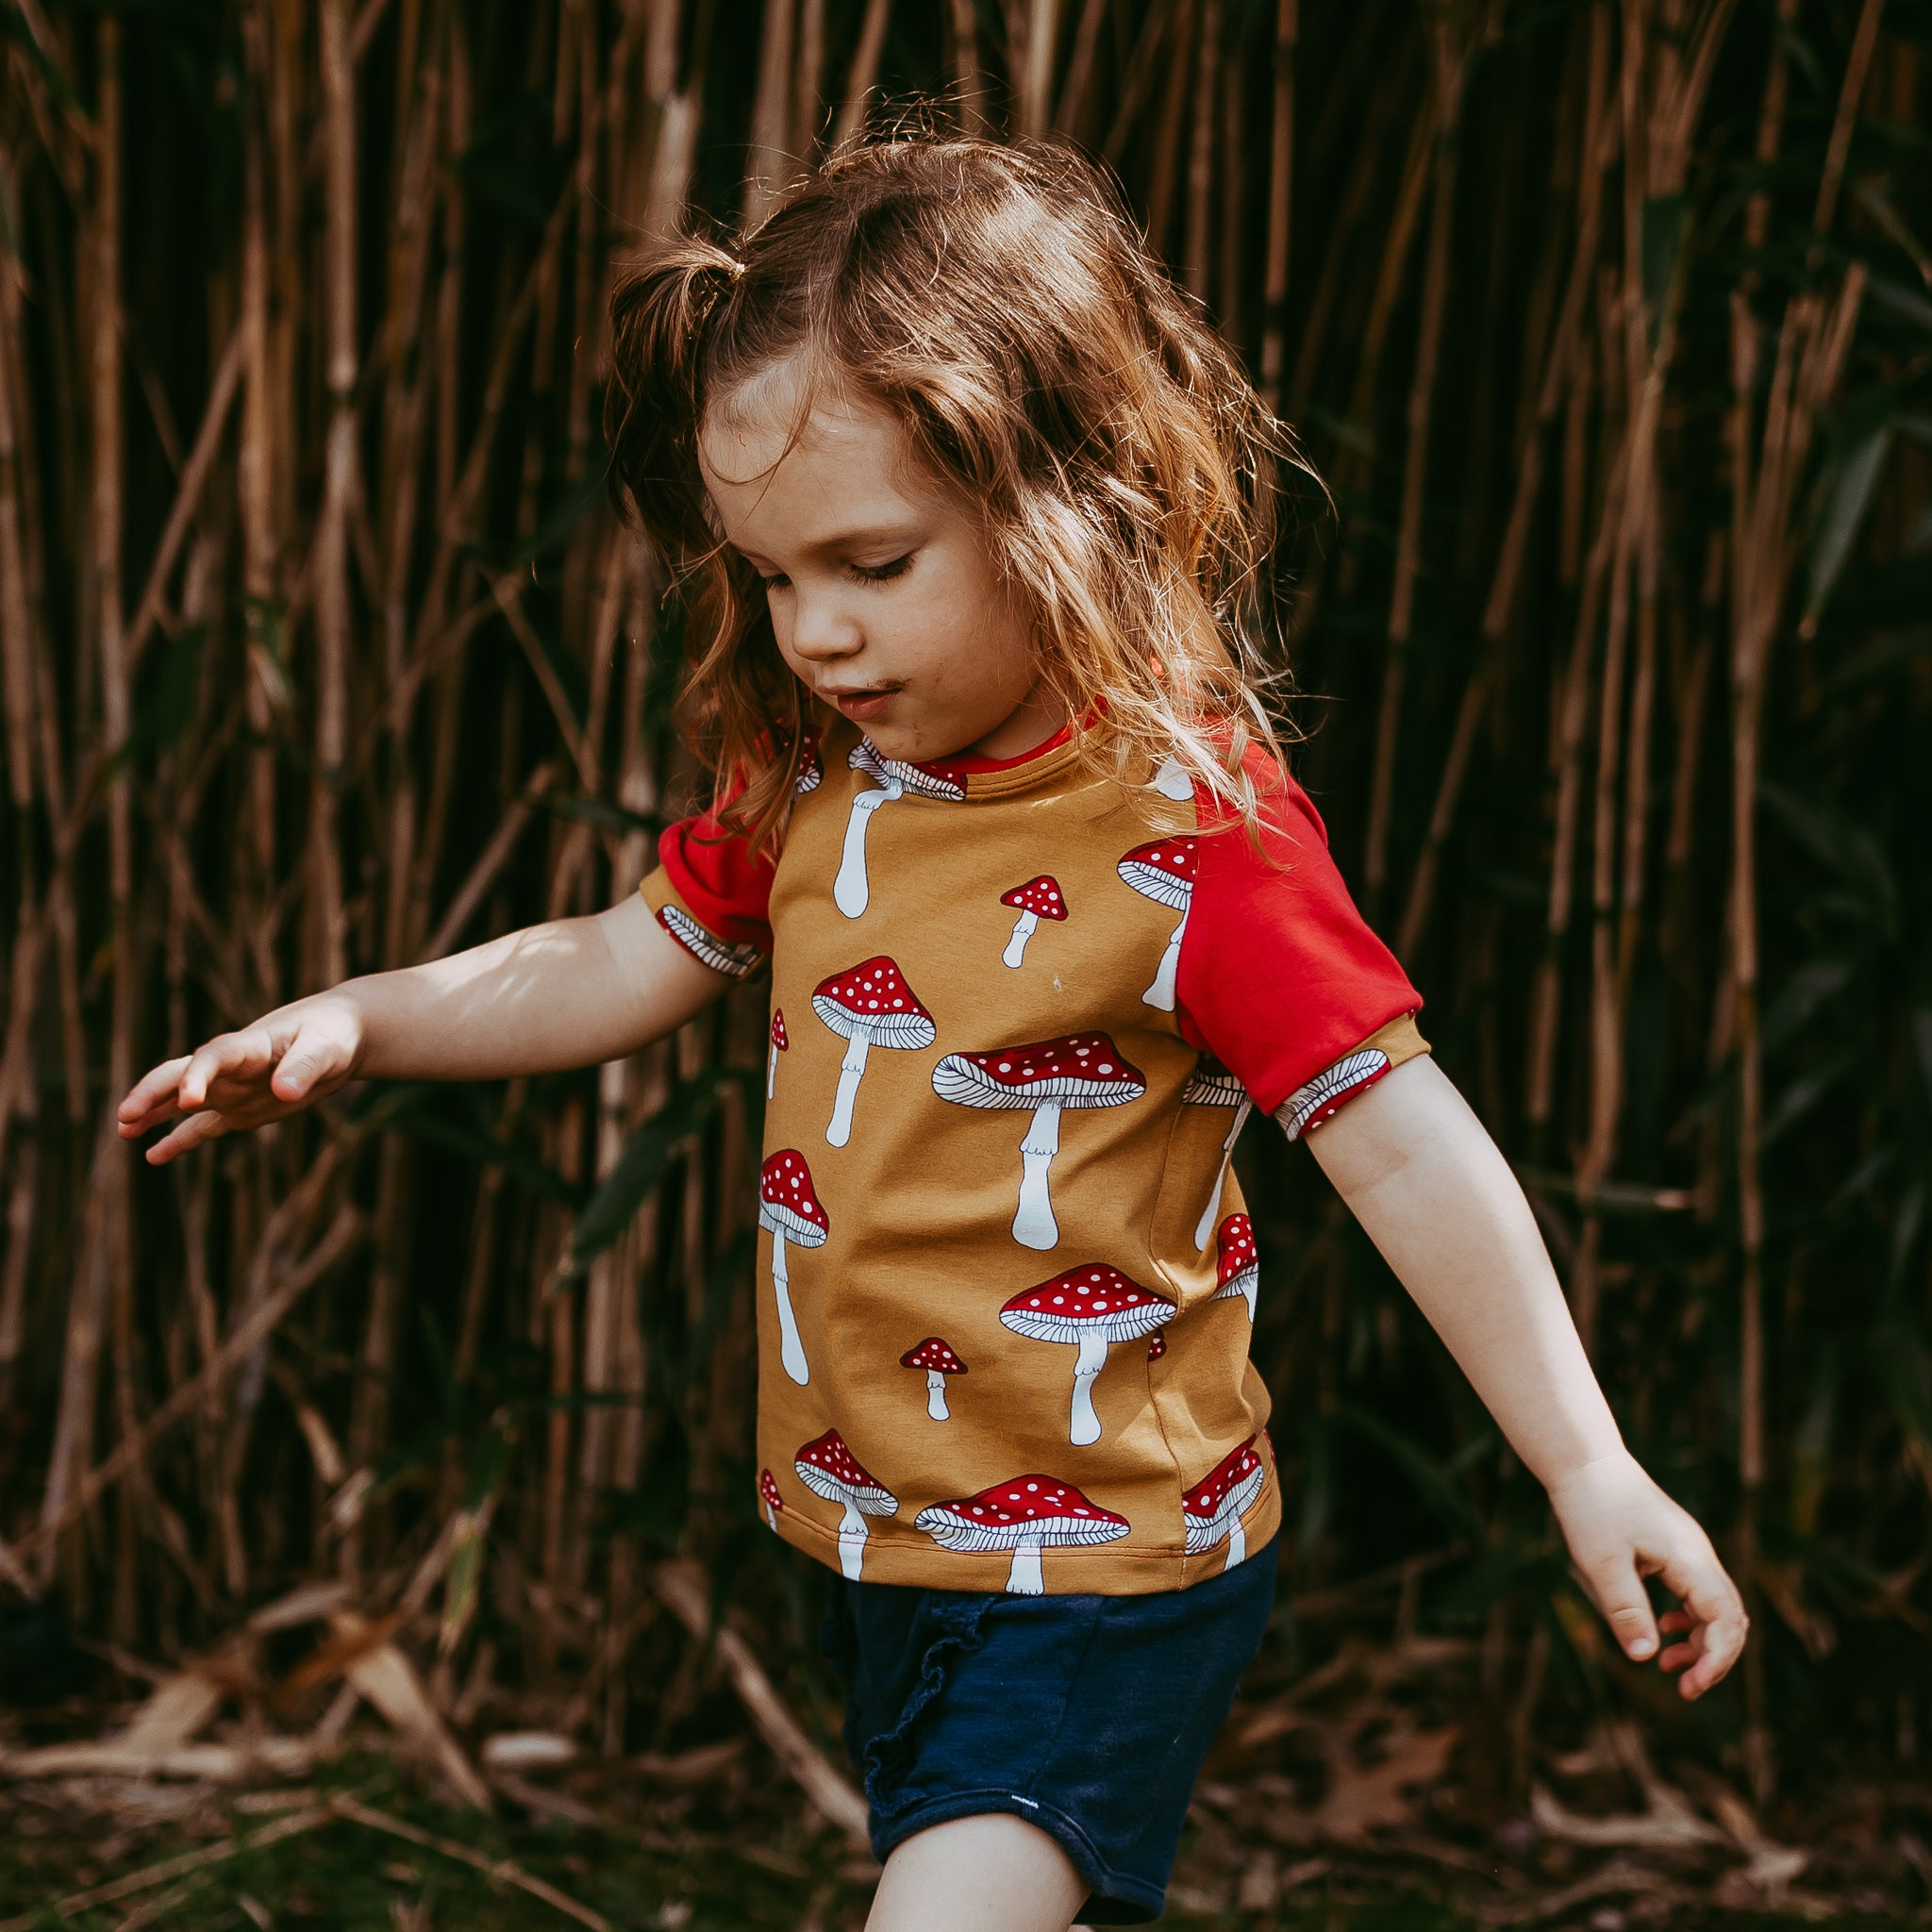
{"x":821,"y":630}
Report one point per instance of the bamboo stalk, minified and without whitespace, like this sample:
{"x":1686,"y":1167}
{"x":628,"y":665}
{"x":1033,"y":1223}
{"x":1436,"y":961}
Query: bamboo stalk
{"x":1280,"y":203}
{"x":863,"y":76}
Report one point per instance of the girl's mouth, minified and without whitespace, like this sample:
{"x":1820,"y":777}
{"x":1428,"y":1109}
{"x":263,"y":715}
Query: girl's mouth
{"x":860,"y":706}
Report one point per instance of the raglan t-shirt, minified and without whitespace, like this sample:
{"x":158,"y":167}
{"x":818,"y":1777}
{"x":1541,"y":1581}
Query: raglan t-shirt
{"x":1007,"y":1286}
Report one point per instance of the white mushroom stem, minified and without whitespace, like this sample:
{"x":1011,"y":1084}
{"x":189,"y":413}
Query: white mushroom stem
{"x":1022,"y":930}
{"x":1024,"y":1578}
{"x":850,"y":1070}
{"x":771,"y":1516}
{"x":1172,"y":780}
{"x":1237,"y":1544}
{"x":1088,"y":1364}
{"x":851,"y":889}
{"x":1160,"y":994}
{"x":791,"y":1350}
{"x":771,"y":1071}
{"x":1206,"y":1226}
{"x":851,"y":1540}
{"x":936,"y":1396}
{"x":1034,"y":1225}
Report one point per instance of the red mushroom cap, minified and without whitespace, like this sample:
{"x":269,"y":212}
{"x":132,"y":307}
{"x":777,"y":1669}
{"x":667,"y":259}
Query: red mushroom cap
{"x":1211,"y":1085}
{"x":1090,"y":1297}
{"x":778,"y":1035}
{"x":933,"y":1354}
{"x":1081,"y":1070}
{"x":1042,"y":897}
{"x":1234,"y":1245}
{"x":872,"y":1002}
{"x":1229,"y":1486}
{"x":926,"y":781}
{"x":1165,"y":870}
{"x":768,"y":1489}
{"x":1156,"y":1347}
{"x":787,"y":1201}
{"x":1024,"y":1509}
{"x":829,"y":1469}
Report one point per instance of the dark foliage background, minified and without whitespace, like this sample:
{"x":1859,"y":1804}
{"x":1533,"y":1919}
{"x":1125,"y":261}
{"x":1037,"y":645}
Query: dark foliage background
{"x":1610,"y":329}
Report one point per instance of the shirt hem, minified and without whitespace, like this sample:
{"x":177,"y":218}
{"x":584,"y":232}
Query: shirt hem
{"x":1105,"y":1571}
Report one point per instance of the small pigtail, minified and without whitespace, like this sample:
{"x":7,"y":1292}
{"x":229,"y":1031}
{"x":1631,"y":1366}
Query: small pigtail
{"x":662,"y":313}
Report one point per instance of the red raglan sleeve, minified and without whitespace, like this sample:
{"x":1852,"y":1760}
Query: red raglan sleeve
{"x":714,"y":894}
{"x":1279,"y":976}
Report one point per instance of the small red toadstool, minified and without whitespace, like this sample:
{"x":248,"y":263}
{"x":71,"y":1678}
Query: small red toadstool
{"x":1024,"y":1514}
{"x":768,"y":1494}
{"x":1036,"y":900}
{"x":1084,"y":1070}
{"x":1237,"y":1273}
{"x":935,"y":1357}
{"x":1214,"y":1506}
{"x":868,"y":1004}
{"x":830,"y":1470}
{"x":1092,"y":1307}
{"x":1165,"y":870}
{"x":790,"y":1210}
{"x":780,"y":1043}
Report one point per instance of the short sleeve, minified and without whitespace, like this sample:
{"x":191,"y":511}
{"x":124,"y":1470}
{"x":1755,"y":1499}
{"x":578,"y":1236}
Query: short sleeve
{"x":1279,"y":976}
{"x":714,"y":894}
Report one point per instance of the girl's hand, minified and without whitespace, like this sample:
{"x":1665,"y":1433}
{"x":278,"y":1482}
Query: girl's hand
{"x":1622,"y":1528}
{"x":290,"y":1059}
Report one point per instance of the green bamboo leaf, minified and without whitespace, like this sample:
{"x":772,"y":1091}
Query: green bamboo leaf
{"x":646,"y":1155}
{"x":1846,"y":501}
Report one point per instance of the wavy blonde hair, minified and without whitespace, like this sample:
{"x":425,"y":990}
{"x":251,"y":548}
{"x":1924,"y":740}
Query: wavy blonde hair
{"x":999,"y":301}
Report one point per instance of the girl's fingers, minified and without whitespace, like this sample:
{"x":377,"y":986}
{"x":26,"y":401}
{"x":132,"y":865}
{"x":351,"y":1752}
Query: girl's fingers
{"x":193,"y":1131}
{"x":1712,"y":1614}
{"x":314,"y":1056}
{"x":1626,"y":1606}
{"x":228,"y":1057}
{"x":151,"y":1097}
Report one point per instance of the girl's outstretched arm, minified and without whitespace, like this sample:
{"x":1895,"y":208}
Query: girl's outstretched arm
{"x":1437,"y":1197}
{"x":569,"y":993}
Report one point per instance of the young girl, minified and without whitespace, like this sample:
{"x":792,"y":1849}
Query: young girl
{"x":969,"y":509}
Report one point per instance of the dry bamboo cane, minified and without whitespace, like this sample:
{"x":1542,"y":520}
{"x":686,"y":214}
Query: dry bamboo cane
{"x":1280,"y":203}
{"x":1034,"y":68}
{"x":1450,"y":65}
{"x":864,"y":72}
{"x":1198,"y":246}
{"x":771,"y":153}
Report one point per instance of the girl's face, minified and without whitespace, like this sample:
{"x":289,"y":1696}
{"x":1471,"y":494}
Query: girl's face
{"x":885,"y":599}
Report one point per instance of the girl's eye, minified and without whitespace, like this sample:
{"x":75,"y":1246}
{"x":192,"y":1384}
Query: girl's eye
{"x":882,"y":573}
{"x":776,"y":581}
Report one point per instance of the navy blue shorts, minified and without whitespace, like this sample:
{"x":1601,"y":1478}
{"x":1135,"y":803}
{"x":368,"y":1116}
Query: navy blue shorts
{"x":1088,"y":1716}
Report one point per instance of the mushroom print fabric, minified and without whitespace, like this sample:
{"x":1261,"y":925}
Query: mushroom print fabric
{"x":1324,"y":1096}
{"x":1084,"y":1070}
{"x":1036,"y":900}
{"x":1090,"y":1307}
{"x":830,"y":1470}
{"x":1213,"y":1509}
{"x":790,"y":1211}
{"x":1165,"y":872}
{"x":852,"y":888}
{"x":937,"y":1358}
{"x":868,"y":1004}
{"x":986,"y":1148}
{"x":1025,"y":1514}
{"x":1238,"y":1270}
{"x":733,"y":961}
{"x":1212,"y":1085}
{"x":781,"y":1044}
